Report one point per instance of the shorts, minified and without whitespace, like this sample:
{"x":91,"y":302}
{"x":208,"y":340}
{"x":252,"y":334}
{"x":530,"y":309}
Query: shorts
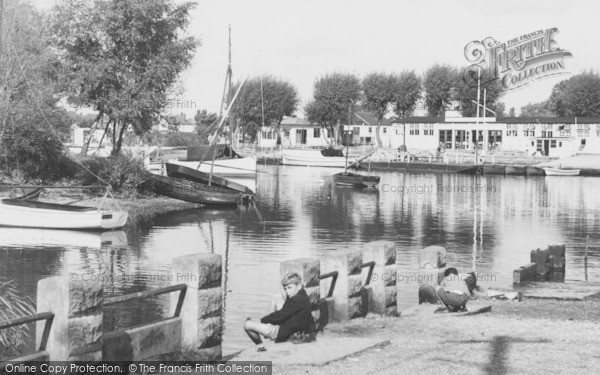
{"x":453,"y":301}
{"x":273,"y":331}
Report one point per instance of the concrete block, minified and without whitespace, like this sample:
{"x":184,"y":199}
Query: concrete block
{"x":383,"y":253}
{"x":78,"y":319}
{"x":346,"y":295}
{"x":557,"y":257}
{"x":198,"y":271}
{"x":210,"y":303}
{"x":525,"y":273}
{"x":309,"y":270}
{"x":541,"y":258}
{"x":432,"y":257}
{"x":202,"y":307}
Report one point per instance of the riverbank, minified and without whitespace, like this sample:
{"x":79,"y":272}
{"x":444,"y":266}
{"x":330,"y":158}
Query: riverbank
{"x":529,"y":337}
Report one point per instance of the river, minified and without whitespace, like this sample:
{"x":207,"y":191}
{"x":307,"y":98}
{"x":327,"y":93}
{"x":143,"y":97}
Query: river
{"x":486,"y":223}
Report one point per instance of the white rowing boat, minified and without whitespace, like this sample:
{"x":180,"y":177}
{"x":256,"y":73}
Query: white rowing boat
{"x":561,"y":172}
{"x":31,"y":214}
{"x":314,"y":158}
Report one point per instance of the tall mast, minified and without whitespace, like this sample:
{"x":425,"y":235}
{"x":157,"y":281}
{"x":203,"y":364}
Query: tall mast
{"x":230,"y":75}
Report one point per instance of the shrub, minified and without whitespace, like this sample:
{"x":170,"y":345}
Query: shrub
{"x":126,"y":175}
{"x":36,"y":152}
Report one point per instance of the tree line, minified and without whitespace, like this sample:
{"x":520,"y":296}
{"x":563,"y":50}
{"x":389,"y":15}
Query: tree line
{"x":123,"y":60}
{"x":337,"y":96}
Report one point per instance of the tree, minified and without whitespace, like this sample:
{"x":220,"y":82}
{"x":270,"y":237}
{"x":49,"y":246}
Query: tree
{"x":334,"y":96}
{"x":121,"y":58}
{"x":264,"y":100}
{"x":32,"y":126}
{"x":466,"y":93}
{"x":438,"y":82}
{"x":536,"y":110}
{"x":578,"y":96}
{"x":378,"y":91}
{"x":511,"y":112}
{"x":407,"y":91}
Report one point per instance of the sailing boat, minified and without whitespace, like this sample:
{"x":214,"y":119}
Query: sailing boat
{"x":346,"y":178}
{"x":222,"y":162}
{"x":192,"y":185}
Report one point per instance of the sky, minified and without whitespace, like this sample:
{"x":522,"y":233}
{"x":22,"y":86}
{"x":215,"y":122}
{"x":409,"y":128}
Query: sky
{"x":301,"y":41}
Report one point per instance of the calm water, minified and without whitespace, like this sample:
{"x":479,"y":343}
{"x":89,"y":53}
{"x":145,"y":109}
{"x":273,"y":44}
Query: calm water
{"x":488,"y":223}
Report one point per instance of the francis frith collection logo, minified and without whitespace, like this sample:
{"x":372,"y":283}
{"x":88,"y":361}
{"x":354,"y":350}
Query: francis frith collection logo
{"x":518,"y":61}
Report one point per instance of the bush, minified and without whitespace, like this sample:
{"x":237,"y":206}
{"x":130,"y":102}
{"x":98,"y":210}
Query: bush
{"x":37,"y":153}
{"x":126,"y":175}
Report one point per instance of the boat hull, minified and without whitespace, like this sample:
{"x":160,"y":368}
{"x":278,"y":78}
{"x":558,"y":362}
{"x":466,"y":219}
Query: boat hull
{"x":41,"y":237}
{"x":236,"y":167}
{"x":186,"y":173}
{"x":195,"y":192}
{"x":514,"y":170}
{"x":493,"y":169}
{"x":561,"y":172}
{"x":313,"y":158}
{"x":354,"y":179}
{"x":534,"y":171}
{"x":29,"y":214}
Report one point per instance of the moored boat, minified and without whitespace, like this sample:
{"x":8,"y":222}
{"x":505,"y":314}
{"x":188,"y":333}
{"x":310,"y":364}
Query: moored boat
{"x":39,"y":238}
{"x":514,"y":170}
{"x":354,"y":179}
{"x":186,"y":173}
{"x":561,"y":171}
{"x":315,"y":158}
{"x":493,"y":169}
{"x":33,"y":214}
{"x":196,"y":192}
{"x":530,"y":170}
{"x":227,"y":163}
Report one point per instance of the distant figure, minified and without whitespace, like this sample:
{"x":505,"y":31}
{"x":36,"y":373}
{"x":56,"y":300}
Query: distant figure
{"x":453,"y":291}
{"x":288,"y":316}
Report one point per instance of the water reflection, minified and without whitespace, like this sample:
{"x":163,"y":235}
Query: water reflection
{"x":487,"y":223}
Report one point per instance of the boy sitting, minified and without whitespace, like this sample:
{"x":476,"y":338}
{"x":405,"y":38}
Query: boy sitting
{"x":287,"y":317}
{"x":453,"y":291}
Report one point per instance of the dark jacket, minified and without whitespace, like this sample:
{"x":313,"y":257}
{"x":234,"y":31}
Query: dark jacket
{"x":294,"y":316}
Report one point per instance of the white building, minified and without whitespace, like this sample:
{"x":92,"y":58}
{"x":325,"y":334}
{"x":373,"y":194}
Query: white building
{"x":298,"y":132}
{"x":551,"y":136}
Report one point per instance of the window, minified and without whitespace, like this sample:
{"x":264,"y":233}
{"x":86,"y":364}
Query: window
{"x":511,"y":130}
{"x":316,"y":133}
{"x":414,"y":129}
{"x":428,"y":129}
{"x":553,"y":143}
{"x":546,"y":133}
{"x":268,"y":134}
{"x":384,"y":130}
{"x":356,"y":130}
{"x":529,"y":133}
{"x":583,"y":130}
{"x":370,"y":129}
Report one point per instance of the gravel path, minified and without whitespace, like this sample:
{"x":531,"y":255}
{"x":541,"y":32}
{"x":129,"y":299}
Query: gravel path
{"x":532,"y":337}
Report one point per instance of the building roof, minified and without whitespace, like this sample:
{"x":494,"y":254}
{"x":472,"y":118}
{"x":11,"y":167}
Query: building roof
{"x":549,"y":120}
{"x":366,"y":118}
{"x":505,"y":120}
